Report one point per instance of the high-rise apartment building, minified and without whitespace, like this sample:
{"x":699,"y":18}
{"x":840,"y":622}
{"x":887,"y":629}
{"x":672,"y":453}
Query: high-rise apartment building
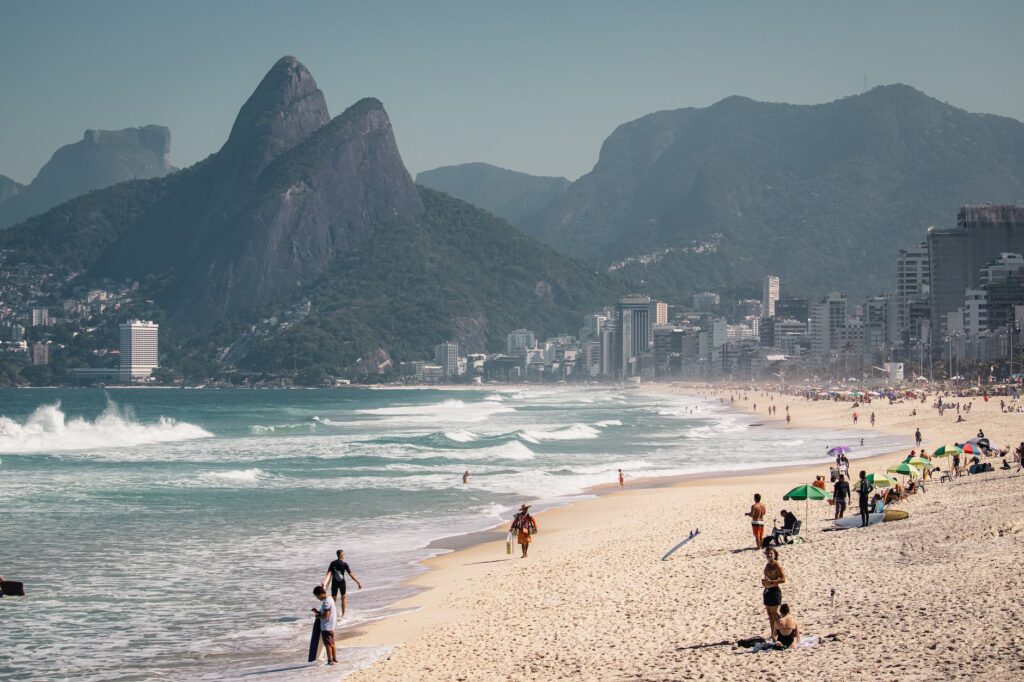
{"x":40,"y":317}
{"x":827,"y":317}
{"x":635,"y":335}
{"x":41,"y":353}
{"x":912,"y":286}
{"x":519,"y":340}
{"x":139,"y":350}
{"x":956,"y":256}
{"x":769,"y":295}
{"x":447,"y":356}
{"x":660,"y":312}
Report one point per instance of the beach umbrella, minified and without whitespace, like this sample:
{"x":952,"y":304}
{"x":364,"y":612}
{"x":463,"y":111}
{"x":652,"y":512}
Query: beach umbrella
{"x":919,"y":462}
{"x":947,"y":450}
{"x":839,"y":449}
{"x":904,"y":469}
{"x":881,"y":480}
{"x":807,"y":492}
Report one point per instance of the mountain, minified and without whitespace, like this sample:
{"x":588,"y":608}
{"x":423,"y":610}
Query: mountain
{"x":100,"y":159}
{"x":505,"y":193}
{"x":8,"y":188}
{"x":822,"y":195}
{"x":297,"y":207}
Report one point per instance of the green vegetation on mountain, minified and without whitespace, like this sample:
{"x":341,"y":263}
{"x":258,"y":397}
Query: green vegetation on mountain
{"x":505,"y":193}
{"x":299,"y":207}
{"x":821,"y":195}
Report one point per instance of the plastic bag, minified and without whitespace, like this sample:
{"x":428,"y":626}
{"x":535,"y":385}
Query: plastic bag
{"x":508,"y":544}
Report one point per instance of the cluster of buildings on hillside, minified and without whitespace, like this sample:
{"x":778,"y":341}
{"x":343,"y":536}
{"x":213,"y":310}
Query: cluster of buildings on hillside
{"x":959,"y":295}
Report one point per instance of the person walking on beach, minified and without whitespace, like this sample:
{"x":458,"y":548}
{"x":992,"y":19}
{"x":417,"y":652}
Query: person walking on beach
{"x":787,"y":417}
{"x":872,"y":424}
{"x":841,"y":496}
{"x":917,"y":436}
{"x":774,"y":576}
{"x":864,"y":489}
{"x":622,"y":478}
{"x":336,"y":572}
{"x":524,"y":525}
{"x":757,"y":513}
{"x":326,"y":614}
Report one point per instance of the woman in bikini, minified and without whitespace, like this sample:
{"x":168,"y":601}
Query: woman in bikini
{"x":788,"y":630}
{"x":773,"y":577}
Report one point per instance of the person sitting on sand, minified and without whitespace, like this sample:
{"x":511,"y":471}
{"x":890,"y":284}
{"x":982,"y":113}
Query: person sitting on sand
{"x":524,"y":525}
{"x":819,"y":482}
{"x":788,"y":524}
{"x":1005,"y":465}
{"x":772,"y":596}
{"x":877,"y":504}
{"x":787,"y":630}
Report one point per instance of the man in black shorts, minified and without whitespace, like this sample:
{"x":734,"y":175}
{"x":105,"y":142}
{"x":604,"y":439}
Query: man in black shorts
{"x":336,"y":571}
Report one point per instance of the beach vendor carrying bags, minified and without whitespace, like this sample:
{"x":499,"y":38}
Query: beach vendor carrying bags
{"x":524,"y":525}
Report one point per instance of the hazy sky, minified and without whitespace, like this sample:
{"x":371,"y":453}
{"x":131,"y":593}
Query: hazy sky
{"x":533,"y":86}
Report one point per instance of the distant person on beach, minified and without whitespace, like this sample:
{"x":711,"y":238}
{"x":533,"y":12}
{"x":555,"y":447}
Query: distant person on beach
{"x":774,"y":576}
{"x":917,"y":436}
{"x":872,"y":420}
{"x":465,"y":478}
{"x":787,"y":629}
{"x":524,"y":525}
{"x":327,"y":614}
{"x":787,"y":417}
{"x":622,"y":478}
{"x":841,"y":496}
{"x":819,"y":482}
{"x":336,"y":572}
{"x":757,"y":513}
{"x":864,"y":489}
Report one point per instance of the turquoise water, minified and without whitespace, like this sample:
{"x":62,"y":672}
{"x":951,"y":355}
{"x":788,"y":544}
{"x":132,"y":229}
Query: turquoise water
{"x":177,"y":534}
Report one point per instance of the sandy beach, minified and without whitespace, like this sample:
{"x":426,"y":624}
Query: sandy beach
{"x":935,"y":596}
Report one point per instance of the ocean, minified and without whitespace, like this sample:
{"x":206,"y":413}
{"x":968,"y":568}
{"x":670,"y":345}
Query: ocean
{"x":177,"y":534}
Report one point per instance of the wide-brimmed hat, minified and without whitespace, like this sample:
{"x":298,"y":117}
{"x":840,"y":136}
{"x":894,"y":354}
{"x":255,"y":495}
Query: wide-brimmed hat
{"x":525,"y":507}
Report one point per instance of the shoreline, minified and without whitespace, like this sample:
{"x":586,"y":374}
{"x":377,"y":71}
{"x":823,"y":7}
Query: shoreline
{"x":414,"y":610}
{"x":594,"y":601}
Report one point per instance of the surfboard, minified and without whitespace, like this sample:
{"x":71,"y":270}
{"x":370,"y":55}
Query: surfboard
{"x":854,"y":520}
{"x":895,"y":515}
{"x":315,"y":641}
{"x":692,"y":535}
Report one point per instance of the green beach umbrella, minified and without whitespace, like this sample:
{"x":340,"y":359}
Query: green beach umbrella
{"x":807,"y":492}
{"x":947,"y":450}
{"x":904,"y":469}
{"x":881,"y":480}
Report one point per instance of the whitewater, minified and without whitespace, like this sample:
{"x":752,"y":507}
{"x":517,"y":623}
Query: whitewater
{"x":180,"y":532}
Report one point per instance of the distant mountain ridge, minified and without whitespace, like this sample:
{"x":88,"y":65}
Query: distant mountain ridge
{"x":822,"y":195}
{"x":100,"y":159}
{"x":298,"y":206}
{"x":505,"y":193}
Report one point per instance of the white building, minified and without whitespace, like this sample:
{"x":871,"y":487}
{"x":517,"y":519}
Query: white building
{"x":40,"y":317}
{"x":519,"y":340}
{"x":769,"y":295}
{"x":447,"y":356}
{"x":140,"y":353}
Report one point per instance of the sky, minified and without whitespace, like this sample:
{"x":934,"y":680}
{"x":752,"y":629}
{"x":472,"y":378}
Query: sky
{"x":532,"y":86}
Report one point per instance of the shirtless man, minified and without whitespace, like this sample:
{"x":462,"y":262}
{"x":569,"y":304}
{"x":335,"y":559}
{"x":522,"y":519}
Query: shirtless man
{"x":757,"y":513}
{"x":465,"y":478}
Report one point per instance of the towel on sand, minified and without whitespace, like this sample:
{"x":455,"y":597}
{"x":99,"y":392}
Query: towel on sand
{"x":806,"y":642}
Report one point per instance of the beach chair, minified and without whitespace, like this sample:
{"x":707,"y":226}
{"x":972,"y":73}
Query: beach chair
{"x":945,"y":476}
{"x":781,"y":534}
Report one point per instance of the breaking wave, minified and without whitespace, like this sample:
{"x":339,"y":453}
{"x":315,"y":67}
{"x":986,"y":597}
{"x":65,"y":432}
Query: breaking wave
{"x":48,"y":429}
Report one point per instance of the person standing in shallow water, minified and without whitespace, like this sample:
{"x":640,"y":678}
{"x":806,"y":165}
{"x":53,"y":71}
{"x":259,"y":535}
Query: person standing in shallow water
{"x":465,"y":478}
{"x":622,"y":478}
{"x":524,"y":526}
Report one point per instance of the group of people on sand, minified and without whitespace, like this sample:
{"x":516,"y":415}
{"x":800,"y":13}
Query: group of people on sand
{"x":785,"y":631}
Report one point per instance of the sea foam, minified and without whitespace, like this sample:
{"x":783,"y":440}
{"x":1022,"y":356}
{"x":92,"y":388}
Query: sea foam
{"x":48,"y":429}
